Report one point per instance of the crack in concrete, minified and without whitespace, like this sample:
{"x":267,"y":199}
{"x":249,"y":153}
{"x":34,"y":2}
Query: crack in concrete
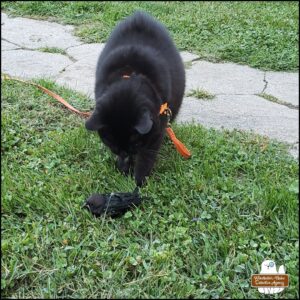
{"x":265,"y":81}
{"x":235,"y":94}
{"x":75,"y":46}
{"x":280,"y":102}
{"x":207,"y":59}
{"x":65,"y":68}
{"x":277,"y":101}
{"x":4,"y":39}
{"x":71,"y":58}
{"x":11,"y":49}
{"x":73,"y":62}
{"x":289,"y":105}
{"x":195,"y":59}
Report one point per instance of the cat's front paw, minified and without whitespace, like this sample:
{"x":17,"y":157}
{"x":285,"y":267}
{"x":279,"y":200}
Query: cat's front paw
{"x":123,"y":165}
{"x":140,"y":180}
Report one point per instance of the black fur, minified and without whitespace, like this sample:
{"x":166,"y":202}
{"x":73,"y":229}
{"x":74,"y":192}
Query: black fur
{"x":126,"y":115}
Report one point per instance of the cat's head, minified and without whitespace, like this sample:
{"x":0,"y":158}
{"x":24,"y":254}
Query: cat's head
{"x":125,"y":116}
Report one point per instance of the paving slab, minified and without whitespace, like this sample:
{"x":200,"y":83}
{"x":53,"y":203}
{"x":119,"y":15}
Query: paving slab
{"x":224,"y":78}
{"x":4,"y":17}
{"x":33,"y":64}
{"x":80,"y":76}
{"x":245,"y":112}
{"x":85,"y":51}
{"x":33,"y":34}
{"x":284,"y":86}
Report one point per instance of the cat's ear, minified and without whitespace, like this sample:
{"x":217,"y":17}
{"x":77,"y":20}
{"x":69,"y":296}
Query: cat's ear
{"x":94,"y":121}
{"x":144,"y":123}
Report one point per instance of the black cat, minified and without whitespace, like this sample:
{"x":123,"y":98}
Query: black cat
{"x":138,"y":70}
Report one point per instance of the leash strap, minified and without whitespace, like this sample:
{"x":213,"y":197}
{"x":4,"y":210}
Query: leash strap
{"x":164,"y":110}
{"x":180,"y":147}
{"x":50,"y":93}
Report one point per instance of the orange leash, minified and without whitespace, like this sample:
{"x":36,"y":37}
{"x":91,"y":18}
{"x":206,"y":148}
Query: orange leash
{"x":164,"y":109}
{"x":180,"y":147}
{"x":50,"y":93}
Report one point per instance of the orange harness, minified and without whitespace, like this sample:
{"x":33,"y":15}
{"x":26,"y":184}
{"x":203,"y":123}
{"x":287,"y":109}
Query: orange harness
{"x":164,"y":110}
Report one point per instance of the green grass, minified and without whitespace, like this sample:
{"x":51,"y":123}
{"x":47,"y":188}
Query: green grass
{"x":260,"y":34}
{"x":201,"y":94}
{"x":276,"y":100}
{"x":241,"y":188}
{"x":52,"y":50}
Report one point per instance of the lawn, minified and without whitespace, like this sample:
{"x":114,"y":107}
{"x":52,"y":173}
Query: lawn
{"x":260,"y":34}
{"x":207,"y":226}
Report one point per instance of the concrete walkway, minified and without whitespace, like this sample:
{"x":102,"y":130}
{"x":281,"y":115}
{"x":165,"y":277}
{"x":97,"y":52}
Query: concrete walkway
{"x":237,"y":103}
